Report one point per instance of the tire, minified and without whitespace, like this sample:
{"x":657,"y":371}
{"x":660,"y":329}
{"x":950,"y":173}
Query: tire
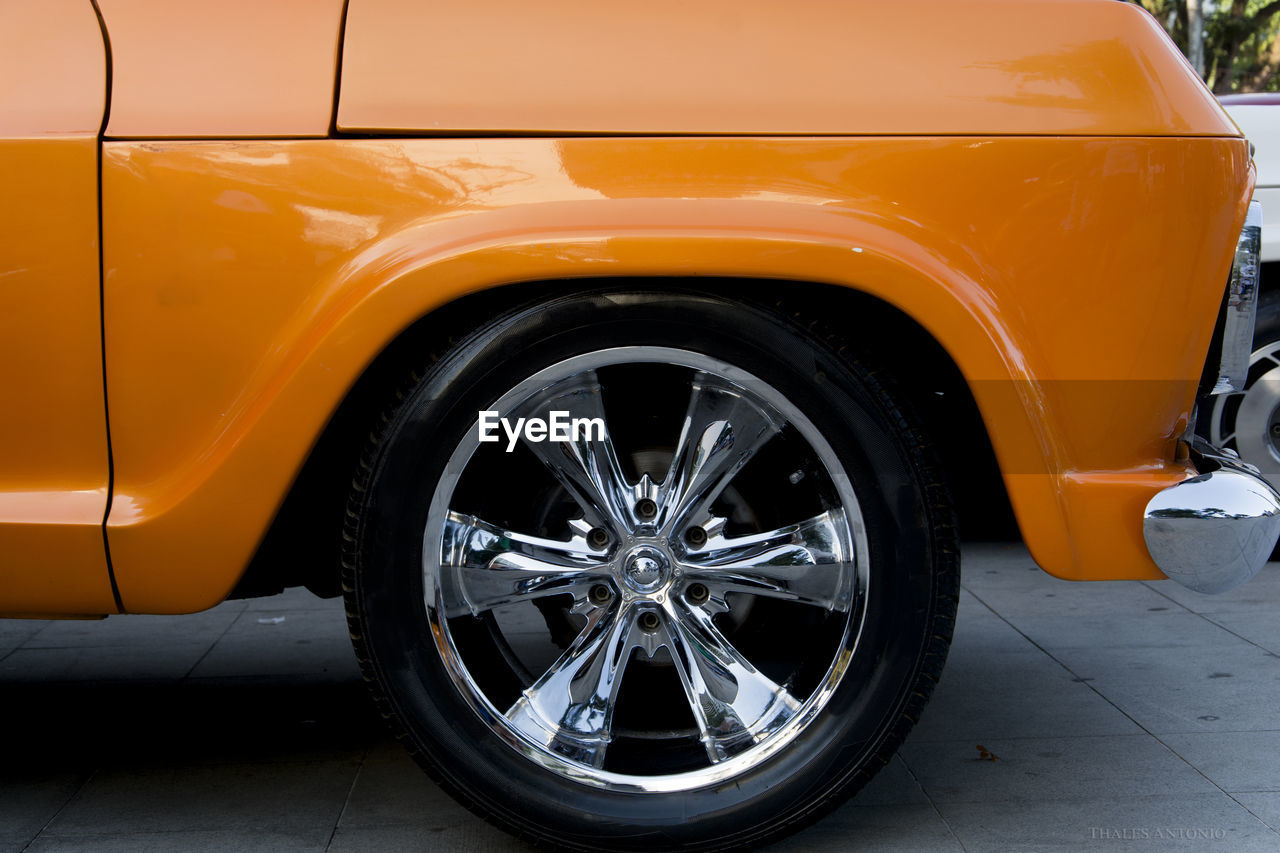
{"x":479,"y":582}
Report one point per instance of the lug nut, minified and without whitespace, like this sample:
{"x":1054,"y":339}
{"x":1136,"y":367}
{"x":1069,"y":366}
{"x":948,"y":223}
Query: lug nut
{"x":646,"y":509}
{"x":697,"y":593}
{"x":598,"y":537}
{"x":599,"y":594}
{"x":648,"y":621}
{"x":696,"y":537}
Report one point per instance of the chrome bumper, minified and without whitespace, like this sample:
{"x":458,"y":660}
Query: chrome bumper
{"x":1241,"y":306}
{"x":1213,"y":532}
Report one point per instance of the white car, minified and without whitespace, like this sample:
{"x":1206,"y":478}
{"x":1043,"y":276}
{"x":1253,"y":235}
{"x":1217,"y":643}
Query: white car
{"x":1249,"y":422}
{"x":1259,"y":117}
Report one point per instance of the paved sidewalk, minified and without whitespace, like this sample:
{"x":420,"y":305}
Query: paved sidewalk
{"x":1122,"y":716}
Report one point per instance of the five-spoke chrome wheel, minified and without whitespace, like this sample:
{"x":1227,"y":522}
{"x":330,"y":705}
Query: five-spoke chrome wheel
{"x":623,"y":608}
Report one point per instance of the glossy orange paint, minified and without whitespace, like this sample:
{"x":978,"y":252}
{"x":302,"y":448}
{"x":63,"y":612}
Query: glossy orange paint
{"x":981,"y":67}
{"x":54,"y":70}
{"x":1074,"y":281}
{"x":53,"y":440}
{"x":225,"y":68}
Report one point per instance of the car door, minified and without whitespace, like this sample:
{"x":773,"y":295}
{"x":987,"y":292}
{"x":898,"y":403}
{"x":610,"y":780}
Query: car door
{"x":54,"y":461}
{"x":209,"y":101}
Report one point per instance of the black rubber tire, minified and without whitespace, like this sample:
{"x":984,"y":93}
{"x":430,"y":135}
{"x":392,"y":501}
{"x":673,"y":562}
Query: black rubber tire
{"x":1266,"y":329}
{"x":915,"y":575}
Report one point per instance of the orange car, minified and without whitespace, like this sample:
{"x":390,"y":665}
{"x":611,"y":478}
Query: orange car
{"x":622,"y":364}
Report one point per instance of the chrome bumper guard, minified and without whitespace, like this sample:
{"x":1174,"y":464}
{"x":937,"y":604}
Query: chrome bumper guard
{"x":1214,"y":531}
{"x":1242,"y":306}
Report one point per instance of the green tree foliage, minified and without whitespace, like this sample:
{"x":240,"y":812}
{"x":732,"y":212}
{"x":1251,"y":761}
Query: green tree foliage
{"x":1241,"y":40}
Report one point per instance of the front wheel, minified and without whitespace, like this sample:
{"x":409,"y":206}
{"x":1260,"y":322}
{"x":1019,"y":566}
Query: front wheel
{"x":631,"y":569}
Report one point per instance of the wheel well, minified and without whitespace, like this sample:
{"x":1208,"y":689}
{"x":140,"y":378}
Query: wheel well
{"x":1269,"y":277}
{"x":303,"y":543}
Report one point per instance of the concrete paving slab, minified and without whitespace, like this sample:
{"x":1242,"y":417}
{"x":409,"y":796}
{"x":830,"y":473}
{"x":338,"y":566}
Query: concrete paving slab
{"x":392,"y":790}
{"x":135,"y":662}
{"x":127,"y":630}
{"x":283,"y":643}
{"x":475,"y":837}
{"x":294,"y":598}
{"x":1159,"y":626}
{"x":1014,"y":695}
{"x":14,"y":632}
{"x":1264,"y":805}
{"x":893,"y":829}
{"x":29,"y":800}
{"x":893,"y":786}
{"x":1061,"y":768}
{"x":1259,"y":627}
{"x":295,"y":800}
{"x":1057,"y":614}
{"x":1211,"y":822}
{"x":1217,"y":688}
{"x":1234,"y":761}
{"x":980,"y":631}
{"x":242,"y":721}
{"x":1259,"y":594}
{"x":1029,"y":592}
{"x":226,"y":841}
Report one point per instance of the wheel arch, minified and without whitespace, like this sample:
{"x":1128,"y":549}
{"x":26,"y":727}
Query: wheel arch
{"x":385,"y":298}
{"x":919,"y":367}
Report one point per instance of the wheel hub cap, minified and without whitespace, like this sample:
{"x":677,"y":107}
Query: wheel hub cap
{"x":645,"y":569}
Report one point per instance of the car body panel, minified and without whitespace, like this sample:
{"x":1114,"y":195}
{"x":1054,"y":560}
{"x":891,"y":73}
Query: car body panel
{"x":981,"y":67}
{"x":1046,"y":187}
{"x":53,"y":70}
{"x":230,"y":68}
{"x":53,"y":433}
{"x":248,"y":284}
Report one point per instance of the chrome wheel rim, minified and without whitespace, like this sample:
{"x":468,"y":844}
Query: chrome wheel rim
{"x":651,"y":578}
{"x":1248,"y":422}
